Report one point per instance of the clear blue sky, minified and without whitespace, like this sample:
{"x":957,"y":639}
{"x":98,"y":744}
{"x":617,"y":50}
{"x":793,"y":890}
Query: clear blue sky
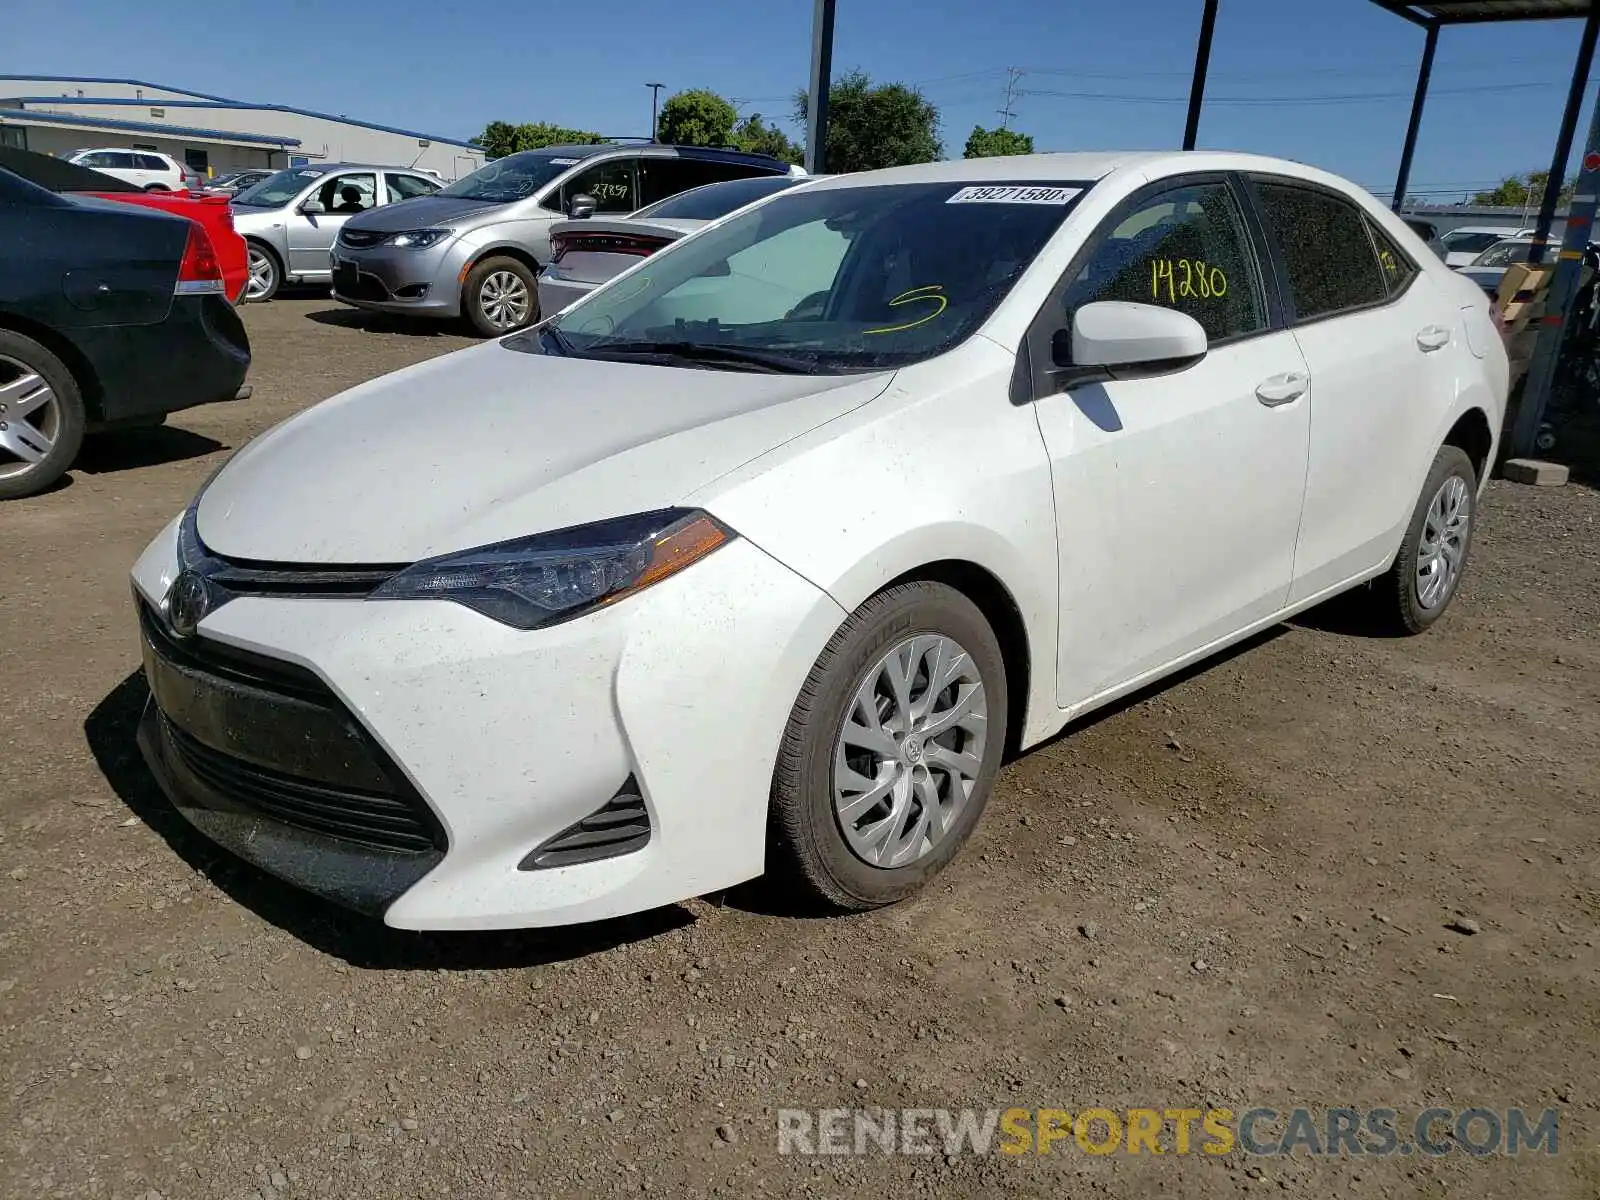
{"x":1494,"y":109}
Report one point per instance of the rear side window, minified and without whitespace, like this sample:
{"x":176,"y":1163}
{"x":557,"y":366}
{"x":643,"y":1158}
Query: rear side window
{"x":663,"y":177}
{"x":150,"y":162}
{"x":1326,"y":250}
{"x":404,"y":187}
{"x":1185,"y":249}
{"x":1396,"y":267}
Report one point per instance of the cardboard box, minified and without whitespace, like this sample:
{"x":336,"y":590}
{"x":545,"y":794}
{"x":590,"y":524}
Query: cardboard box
{"x":1522,"y":278}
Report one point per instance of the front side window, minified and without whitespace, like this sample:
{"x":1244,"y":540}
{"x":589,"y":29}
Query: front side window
{"x":349,"y":193}
{"x":1184,"y":249}
{"x":824,"y":280}
{"x":610,"y":183}
{"x":94,"y":158}
{"x":277,"y":190}
{"x":1329,"y":258}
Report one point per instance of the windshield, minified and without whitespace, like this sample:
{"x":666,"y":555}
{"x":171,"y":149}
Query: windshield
{"x":715,"y":200}
{"x":1503,"y":254}
{"x":1461,"y":242}
{"x":829,"y":279}
{"x":277,"y":190}
{"x":515,"y":177}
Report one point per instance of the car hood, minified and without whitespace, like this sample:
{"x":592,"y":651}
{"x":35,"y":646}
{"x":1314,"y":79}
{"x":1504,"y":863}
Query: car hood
{"x":421,"y":212}
{"x":489,"y":444}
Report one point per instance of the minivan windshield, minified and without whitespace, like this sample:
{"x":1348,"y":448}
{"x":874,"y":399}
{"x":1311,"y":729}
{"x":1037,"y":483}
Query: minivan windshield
{"x":825,"y":280}
{"x":277,"y":190}
{"x":514,"y":177}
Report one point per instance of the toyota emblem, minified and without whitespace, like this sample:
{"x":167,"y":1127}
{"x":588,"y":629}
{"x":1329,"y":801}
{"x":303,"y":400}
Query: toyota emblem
{"x":188,"y":601}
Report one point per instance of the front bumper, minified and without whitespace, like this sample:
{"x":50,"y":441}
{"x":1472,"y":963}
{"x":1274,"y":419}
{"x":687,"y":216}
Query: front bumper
{"x":390,"y":279}
{"x":510,"y":738}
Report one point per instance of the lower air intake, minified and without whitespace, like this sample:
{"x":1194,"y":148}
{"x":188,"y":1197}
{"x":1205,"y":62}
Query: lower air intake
{"x":620,"y":827}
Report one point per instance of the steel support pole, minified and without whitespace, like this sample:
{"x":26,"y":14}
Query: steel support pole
{"x":1569,"y":125}
{"x":1202,"y":64}
{"x":817,"y":97}
{"x":1558,"y":300}
{"x":1424,"y":73}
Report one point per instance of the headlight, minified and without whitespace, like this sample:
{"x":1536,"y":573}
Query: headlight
{"x":419,"y":239}
{"x":553,"y":577}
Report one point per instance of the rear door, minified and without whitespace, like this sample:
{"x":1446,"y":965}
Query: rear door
{"x":1177,"y":492}
{"x":1370,"y":325}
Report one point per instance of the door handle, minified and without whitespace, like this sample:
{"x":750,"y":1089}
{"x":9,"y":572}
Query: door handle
{"x":1282,"y":389}
{"x":1433,"y":337}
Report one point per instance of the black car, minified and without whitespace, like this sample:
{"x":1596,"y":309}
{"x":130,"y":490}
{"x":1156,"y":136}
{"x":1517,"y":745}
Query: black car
{"x":111,"y":316}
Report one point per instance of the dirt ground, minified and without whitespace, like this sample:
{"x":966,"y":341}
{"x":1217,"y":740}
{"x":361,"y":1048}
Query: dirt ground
{"x":1233,"y":891}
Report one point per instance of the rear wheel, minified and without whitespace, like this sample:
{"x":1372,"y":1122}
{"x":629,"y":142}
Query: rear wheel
{"x":892,"y":748}
{"x":500,"y":295}
{"x":41,"y":416}
{"x":265,"y":273}
{"x":156,"y":187}
{"x":1433,"y":556}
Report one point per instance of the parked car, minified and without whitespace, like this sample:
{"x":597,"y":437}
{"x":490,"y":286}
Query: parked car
{"x":111,"y":315}
{"x":1461,"y":245}
{"x":211,"y":212}
{"x":1426,"y":230}
{"x":763,"y":563}
{"x":476,"y":248}
{"x":234,"y":182}
{"x":290,"y":218}
{"x":1488,"y":268}
{"x":586,"y":252}
{"x":146,"y":169}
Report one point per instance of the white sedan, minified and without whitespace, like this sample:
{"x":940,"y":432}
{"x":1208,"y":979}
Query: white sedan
{"x":761,"y":557}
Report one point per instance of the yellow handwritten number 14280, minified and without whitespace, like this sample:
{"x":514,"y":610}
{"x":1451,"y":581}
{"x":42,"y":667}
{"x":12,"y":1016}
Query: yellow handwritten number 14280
{"x":1185,"y":279}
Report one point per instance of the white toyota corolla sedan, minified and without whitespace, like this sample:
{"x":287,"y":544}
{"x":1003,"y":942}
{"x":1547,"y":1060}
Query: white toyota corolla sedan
{"x":761,"y":557}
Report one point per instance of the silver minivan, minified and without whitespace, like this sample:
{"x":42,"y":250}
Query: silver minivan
{"x":289,"y":219}
{"x":475,"y":248}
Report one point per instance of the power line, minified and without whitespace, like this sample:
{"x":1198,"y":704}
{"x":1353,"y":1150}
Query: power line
{"x":1256,"y":101}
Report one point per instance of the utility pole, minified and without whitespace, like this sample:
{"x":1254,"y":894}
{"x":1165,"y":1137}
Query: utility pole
{"x":655,"y":95}
{"x":821,"y":80}
{"x":1014,"y":77}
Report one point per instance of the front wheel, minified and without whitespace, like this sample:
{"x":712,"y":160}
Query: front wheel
{"x":265,"y":274}
{"x":1433,"y":555}
{"x":500,"y":296}
{"x":892,"y":748}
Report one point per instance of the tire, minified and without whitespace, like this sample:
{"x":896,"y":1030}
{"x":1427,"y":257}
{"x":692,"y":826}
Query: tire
{"x":490,"y":299}
{"x":156,"y":187}
{"x":266,"y":273}
{"x":1402,"y":599}
{"x":41,"y":425}
{"x":810,"y":848}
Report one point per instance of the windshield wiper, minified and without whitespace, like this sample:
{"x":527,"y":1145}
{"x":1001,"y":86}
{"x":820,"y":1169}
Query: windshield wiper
{"x":710,"y":354}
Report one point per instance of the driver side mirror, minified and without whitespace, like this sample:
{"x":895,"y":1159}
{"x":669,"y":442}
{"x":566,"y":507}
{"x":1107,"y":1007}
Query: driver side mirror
{"x":312,"y":207}
{"x":582,"y":207}
{"x":1108,"y":335}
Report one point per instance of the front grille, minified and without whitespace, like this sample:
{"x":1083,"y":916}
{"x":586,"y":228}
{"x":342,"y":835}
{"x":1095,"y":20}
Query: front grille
{"x":360,"y":239}
{"x":369,"y":819}
{"x":621,"y":826}
{"x":358,"y":285}
{"x":269,"y":737}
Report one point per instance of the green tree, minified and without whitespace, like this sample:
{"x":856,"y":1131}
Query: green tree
{"x":754,"y":136}
{"x":698,"y":117}
{"x":500,"y":138}
{"x":890,"y":125}
{"x":1516,"y":191}
{"x":995,"y":143}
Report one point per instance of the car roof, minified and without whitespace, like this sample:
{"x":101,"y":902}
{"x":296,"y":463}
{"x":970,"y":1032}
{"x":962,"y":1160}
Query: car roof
{"x":325,"y":168}
{"x":655,"y":150}
{"x":1086,"y":166}
{"x":1506,"y":230}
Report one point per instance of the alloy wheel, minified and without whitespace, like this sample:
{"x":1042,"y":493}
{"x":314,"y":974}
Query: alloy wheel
{"x":30,"y":417}
{"x":263,"y":275}
{"x":1442,"y":547}
{"x":909,"y":751}
{"x":504,"y":299}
